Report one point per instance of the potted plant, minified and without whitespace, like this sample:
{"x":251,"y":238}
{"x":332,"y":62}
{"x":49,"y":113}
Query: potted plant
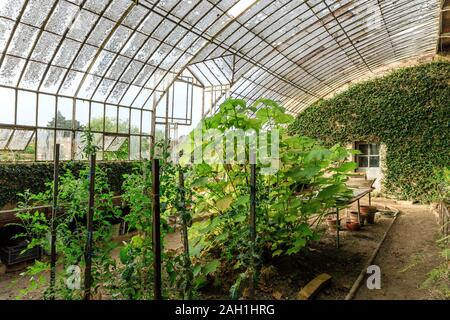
{"x":353,"y":225}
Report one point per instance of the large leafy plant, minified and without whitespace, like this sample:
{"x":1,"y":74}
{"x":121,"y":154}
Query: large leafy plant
{"x":290,"y":202}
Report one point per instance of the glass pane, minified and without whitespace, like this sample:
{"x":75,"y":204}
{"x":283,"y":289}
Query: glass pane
{"x":146,"y":122}
{"x":117,"y":144}
{"x":364,"y":148}
{"x":374,"y":162}
{"x":110,"y":119}
{"x":374,"y":149}
{"x":124,"y":120}
{"x":135,"y":121}
{"x":5,"y":134}
{"x":46,"y":110}
{"x":145,"y":148}
{"x":26,"y":108}
{"x":134,"y":147}
{"x":97,"y":116}
{"x":363,"y":162}
{"x":64,"y":114}
{"x":20,"y":140}
{"x":64,"y":138}
{"x":81,"y":114}
{"x":7,"y":109}
{"x":45,"y":139}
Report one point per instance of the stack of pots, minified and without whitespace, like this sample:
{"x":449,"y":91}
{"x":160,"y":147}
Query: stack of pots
{"x":369,"y":212}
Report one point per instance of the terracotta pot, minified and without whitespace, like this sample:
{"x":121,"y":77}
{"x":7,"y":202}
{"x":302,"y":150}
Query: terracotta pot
{"x":353,"y":225}
{"x":362,"y":217}
{"x":371,"y":218}
{"x":368,"y":209}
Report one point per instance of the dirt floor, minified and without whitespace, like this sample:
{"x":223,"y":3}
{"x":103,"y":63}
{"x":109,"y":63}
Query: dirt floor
{"x":408,"y":254}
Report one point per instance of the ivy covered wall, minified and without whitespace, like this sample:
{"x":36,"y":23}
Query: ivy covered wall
{"x":16,"y":178}
{"x":407,"y":110}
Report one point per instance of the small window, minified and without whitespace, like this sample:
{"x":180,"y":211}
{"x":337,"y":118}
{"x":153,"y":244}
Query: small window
{"x":370,"y":155}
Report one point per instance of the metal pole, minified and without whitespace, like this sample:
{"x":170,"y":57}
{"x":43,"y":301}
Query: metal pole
{"x":90,"y":220}
{"x":252,"y":222}
{"x":187,"y":258}
{"x":156,"y":234}
{"x":338,"y":226}
{"x":53,"y":222}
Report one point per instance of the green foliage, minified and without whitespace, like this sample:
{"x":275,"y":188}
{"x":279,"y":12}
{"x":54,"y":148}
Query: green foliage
{"x":407,"y":110}
{"x":71,"y":229}
{"x":17,"y":178}
{"x":290,"y":202}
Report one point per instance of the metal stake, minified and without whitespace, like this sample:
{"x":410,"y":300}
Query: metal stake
{"x":90,"y":220}
{"x":53,"y":222}
{"x":156,"y":234}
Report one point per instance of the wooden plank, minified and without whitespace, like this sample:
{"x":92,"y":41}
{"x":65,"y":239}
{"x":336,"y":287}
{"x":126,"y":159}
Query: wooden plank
{"x":314,"y":286}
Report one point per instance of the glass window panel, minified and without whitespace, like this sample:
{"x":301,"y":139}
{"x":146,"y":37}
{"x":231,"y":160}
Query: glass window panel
{"x":66,"y":53}
{"x":64,"y":114}
{"x":133,"y":44}
{"x":45,"y":47}
{"x":363,"y":162}
{"x":37,"y":11}
{"x":6,"y":27}
{"x":5,"y":135}
{"x":11,"y":9}
{"x":135,"y":16}
{"x":124,"y":119}
{"x":83,"y":24}
{"x":78,"y":146}
{"x":20,"y":139}
{"x":44,"y":149}
{"x":146,"y":122}
{"x":26,"y":108}
{"x":10,"y":70}
{"x":81,"y":114}
{"x":374,"y":149}
{"x":7,"y":109}
{"x":116,"y":144}
{"x":64,"y":138}
{"x":111,"y":119}
{"x":46,"y":110}
{"x":100,"y":32}
{"x":120,"y":36}
{"x":135,"y":121}
{"x":62,"y":17}
{"x":84,"y":58}
{"x":98,"y":141}
{"x":53,"y":79}
{"x":364,"y":148}
{"x":135,"y":145}
{"x":108,"y":141}
{"x":96,"y":5}
{"x":33,"y":75}
{"x":145,"y":148}
{"x":97,"y":116}
{"x":71,"y":83}
{"x":117,"y":9}
{"x":374,"y":162}
{"x":23,"y":40}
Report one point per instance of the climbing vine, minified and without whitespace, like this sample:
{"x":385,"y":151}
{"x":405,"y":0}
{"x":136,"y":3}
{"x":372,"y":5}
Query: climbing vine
{"x":408,"y":111}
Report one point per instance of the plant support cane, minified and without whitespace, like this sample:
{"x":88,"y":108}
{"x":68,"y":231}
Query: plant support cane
{"x":184,"y":230}
{"x":90,"y":218}
{"x":156,"y":230}
{"x":53,"y":223}
{"x":252,"y":225}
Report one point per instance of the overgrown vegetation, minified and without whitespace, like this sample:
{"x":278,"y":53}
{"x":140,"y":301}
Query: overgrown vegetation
{"x":408,"y":111}
{"x":291,"y":201}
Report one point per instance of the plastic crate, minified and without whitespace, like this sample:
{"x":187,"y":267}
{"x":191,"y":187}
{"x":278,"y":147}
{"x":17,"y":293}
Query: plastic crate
{"x":13,"y":254}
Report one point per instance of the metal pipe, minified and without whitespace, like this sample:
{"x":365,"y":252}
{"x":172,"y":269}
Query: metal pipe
{"x":53,"y":222}
{"x":156,"y":234}
{"x":90,"y":220}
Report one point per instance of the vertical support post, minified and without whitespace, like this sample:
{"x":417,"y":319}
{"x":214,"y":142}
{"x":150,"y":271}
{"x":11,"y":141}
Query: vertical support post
{"x":53,"y":222}
{"x":252,"y":222}
{"x":156,"y":234}
{"x":90,"y":222}
{"x":184,"y":230}
{"x":359,"y":212}
{"x":338,"y":227}
{"x":370,"y":199}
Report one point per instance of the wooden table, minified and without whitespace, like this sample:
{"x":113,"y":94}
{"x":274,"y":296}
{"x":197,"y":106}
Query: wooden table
{"x":358,"y":194}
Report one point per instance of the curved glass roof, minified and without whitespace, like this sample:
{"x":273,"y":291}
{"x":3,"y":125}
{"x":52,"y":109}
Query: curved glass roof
{"x":129,"y":52}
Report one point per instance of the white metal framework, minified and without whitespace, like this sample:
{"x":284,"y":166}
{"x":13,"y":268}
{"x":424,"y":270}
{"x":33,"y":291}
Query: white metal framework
{"x":123,"y":68}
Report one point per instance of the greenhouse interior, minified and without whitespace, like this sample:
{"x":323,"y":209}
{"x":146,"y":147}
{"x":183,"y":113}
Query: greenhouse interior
{"x":224,"y":150}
